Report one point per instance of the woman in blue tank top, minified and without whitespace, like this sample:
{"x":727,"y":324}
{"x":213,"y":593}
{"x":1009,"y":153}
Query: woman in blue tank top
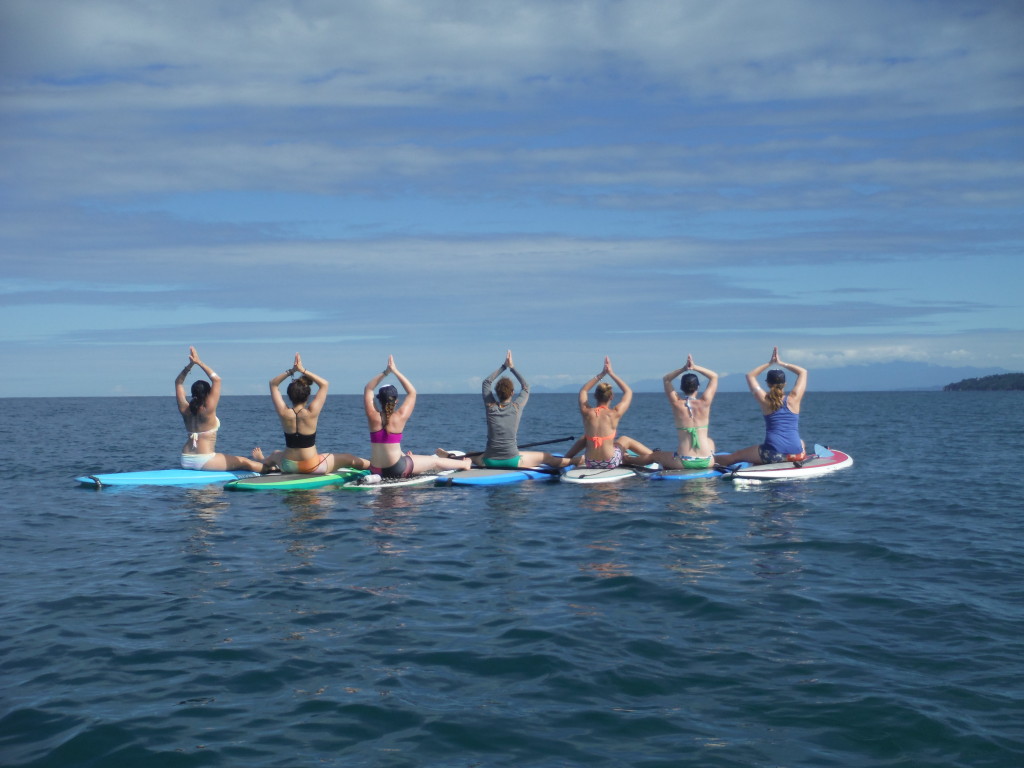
{"x":781,"y":415}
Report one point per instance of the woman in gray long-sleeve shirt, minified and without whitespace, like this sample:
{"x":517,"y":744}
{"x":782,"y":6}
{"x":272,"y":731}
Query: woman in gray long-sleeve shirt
{"x":503,"y":414}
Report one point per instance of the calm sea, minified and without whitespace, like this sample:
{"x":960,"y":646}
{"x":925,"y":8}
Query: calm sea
{"x":871,"y":618}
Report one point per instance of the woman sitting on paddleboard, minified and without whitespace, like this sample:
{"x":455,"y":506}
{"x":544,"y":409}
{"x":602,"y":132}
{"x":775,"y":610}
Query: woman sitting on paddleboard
{"x":299,"y":422}
{"x":692,"y":414}
{"x":201,"y":422}
{"x":503,"y":414}
{"x":386,"y":425}
{"x":603,"y":449}
{"x":781,"y":416}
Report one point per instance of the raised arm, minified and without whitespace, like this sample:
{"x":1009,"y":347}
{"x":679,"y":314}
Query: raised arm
{"x":275,"y":385}
{"x":409,"y":403}
{"x":213,"y":398}
{"x":585,"y":389}
{"x":711,"y":388}
{"x":668,"y":378}
{"x":752,"y":377}
{"x":800,"y":386}
{"x":487,"y":386}
{"x":524,"y":386}
{"x":322,"y":385}
{"x":371,"y":385}
{"x":627,"y":393}
{"x":179,"y":386}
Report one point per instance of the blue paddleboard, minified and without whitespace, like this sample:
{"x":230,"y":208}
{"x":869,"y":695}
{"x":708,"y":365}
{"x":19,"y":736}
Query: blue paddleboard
{"x":485,"y":476}
{"x":685,"y":474}
{"x":163,"y":477}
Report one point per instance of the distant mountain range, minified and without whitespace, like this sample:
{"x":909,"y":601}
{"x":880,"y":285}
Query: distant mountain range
{"x":879,"y":377}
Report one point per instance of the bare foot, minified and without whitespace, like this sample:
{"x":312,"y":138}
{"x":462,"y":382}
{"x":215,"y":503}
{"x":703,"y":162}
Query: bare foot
{"x":257,"y":454}
{"x":444,"y":453}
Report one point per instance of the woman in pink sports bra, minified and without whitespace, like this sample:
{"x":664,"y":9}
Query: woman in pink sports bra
{"x":387,"y":421}
{"x":201,"y":423}
{"x":299,"y":422}
{"x":603,"y":449}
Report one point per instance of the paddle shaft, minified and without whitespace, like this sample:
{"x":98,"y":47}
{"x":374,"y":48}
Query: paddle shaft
{"x":531,"y":445}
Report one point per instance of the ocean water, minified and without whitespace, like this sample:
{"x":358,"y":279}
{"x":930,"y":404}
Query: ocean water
{"x":874,"y":617}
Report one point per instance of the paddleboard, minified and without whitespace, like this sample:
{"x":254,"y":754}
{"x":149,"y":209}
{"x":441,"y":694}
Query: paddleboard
{"x":370,"y":482}
{"x":278,"y":481}
{"x":484,"y":476}
{"x":163,"y":477}
{"x":821,"y":462}
{"x":685,"y":474}
{"x":583,"y":475}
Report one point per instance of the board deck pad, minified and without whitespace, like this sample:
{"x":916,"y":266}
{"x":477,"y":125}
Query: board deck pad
{"x":163,"y":477}
{"x":364,"y":482}
{"x":278,"y":481}
{"x":583,"y":475}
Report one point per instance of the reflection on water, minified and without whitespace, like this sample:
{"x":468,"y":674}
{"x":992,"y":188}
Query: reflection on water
{"x":307,"y":504}
{"x":773,"y":529}
{"x":393,"y":521}
{"x":605,"y":500}
{"x":206,"y":502}
{"x":204,"y":505}
{"x":695,"y":549}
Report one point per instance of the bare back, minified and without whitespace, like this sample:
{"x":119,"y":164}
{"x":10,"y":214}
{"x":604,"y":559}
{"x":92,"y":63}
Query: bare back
{"x":600,"y":425}
{"x":692,"y":415}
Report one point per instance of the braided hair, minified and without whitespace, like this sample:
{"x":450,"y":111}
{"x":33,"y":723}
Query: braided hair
{"x":388,"y":397}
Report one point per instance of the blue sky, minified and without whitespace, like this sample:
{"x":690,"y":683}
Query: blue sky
{"x":444,"y":180}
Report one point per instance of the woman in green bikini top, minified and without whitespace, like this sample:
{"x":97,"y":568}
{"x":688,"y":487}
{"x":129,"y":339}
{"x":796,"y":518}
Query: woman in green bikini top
{"x":691,"y":413}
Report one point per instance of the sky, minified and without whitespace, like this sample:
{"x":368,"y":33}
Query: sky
{"x":444,"y":180}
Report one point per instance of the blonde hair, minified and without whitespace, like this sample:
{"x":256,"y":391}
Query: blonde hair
{"x":604,"y":392}
{"x":775,"y":395}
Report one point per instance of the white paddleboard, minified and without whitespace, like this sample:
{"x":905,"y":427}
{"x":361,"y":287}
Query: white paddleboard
{"x":821,"y":462}
{"x":376,"y":482}
{"x":583,"y":475}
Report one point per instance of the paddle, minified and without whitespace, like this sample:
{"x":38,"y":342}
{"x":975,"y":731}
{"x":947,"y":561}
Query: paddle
{"x":531,"y":445}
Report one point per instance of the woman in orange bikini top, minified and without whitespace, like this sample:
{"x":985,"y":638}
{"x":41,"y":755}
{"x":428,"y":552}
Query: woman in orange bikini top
{"x":600,"y":424}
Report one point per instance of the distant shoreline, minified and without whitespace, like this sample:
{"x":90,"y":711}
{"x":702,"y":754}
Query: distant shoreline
{"x":1000,"y":382}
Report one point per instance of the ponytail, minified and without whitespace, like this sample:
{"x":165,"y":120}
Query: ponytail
{"x":388,"y":398}
{"x":775,"y":395}
{"x":387,"y":407}
{"x":200,"y":390}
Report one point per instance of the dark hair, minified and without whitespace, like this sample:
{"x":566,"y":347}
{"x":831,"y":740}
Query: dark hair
{"x":603,"y":393}
{"x":387,"y":396}
{"x":689,"y":383}
{"x":298,"y":390}
{"x":200,"y":390}
{"x":504,"y":388}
